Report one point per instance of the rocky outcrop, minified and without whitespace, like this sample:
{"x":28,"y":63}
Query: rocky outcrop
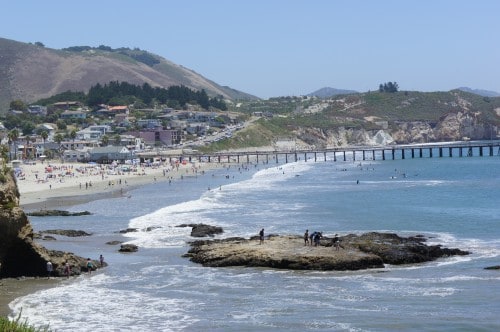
{"x":66,"y":232}
{"x":494,"y":267}
{"x":128,"y":230}
{"x":128,"y":248}
{"x":57,"y":213}
{"x":19,"y":254}
{"x":356,"y":252}
{"x":203,"y":230}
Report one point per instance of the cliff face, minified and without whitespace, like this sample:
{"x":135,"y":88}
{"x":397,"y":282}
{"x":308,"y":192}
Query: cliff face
{"x":451,"y":127}
{"x":19,"y":254}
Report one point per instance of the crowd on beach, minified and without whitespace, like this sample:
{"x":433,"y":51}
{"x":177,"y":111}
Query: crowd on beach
{"x":42,"y":180}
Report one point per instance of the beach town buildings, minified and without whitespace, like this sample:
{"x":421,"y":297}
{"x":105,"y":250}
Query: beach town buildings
{"x":77,"y":130}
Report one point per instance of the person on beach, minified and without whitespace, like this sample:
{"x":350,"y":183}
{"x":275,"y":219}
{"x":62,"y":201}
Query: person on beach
{"x":50,"y":268}
{"x":261,"y":236}
{"x":306,"y":237}
{"x":101,"y":260}
{"x":336,"y":242}
{"x":89,"y":265}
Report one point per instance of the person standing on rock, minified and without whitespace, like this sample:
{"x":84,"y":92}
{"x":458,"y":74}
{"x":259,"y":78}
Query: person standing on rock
{"x":89,"y":265}
{"x":261,"y":236}
{"x":67,"y":269}
{"x":336,"y":242}
{"x":50,"y":268}
{"x":317,"y":238}
{"x":101,"y":260}
{"x":306,"y":237}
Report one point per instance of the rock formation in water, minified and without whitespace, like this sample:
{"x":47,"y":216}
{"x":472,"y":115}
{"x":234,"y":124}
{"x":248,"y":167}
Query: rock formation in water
{"x":20,"y":255}
{"x":356,"y":252}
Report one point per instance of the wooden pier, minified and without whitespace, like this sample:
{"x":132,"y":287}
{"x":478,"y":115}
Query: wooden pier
{"x":355,"y":153}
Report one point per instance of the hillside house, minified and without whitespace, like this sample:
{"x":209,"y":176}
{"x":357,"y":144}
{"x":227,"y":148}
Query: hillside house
{"x":165,"y":137}
{"x":122,"y":120}
{"x":49,"y":128}
{"x":197,"y":128}
{"x":66,"y":105}
{"x":68,"y":114}
{"x":93,"y":133}
{"x":89,"y":135}
{"x":154,"y":124}
{"x":118,"y":110}
{"x":37,"y":110}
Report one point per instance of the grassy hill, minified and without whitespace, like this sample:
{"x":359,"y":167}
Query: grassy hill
{"x":300,"y":117}
{"x":31,"y":72}
{"x":399,"y":106}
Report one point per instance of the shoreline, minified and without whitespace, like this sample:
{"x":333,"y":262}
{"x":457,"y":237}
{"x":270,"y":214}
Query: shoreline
{"x":13,"y":288}
{"x":69,"y":190}
{"x":66,"y":183}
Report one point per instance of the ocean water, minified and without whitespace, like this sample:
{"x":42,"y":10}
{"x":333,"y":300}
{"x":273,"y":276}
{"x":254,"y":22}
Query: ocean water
{"x":453,"y":201}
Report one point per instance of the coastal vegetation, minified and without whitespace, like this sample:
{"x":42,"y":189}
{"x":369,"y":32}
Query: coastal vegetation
{"x":18,"y":325}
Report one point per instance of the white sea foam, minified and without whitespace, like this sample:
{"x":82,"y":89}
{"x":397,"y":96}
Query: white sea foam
{"x":102,"y":309}
{"x":159,"y":228}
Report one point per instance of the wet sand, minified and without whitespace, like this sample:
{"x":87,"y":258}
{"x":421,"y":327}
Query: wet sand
{"x":11,"y":289}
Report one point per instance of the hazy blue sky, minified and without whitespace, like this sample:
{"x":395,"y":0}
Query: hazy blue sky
{"x":285,"y":47}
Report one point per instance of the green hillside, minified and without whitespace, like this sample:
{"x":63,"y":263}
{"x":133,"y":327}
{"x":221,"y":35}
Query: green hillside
{"x":399,"y":106}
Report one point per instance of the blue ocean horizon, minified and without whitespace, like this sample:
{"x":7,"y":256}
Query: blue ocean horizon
{"x":451,"y":201}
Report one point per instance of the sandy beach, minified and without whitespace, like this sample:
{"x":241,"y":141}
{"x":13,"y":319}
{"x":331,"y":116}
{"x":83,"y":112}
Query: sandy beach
{"x":55,"y":185}
{"x":52,"y":185}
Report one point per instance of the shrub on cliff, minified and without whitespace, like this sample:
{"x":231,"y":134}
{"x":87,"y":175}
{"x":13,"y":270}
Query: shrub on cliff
{"x":18,"y":326}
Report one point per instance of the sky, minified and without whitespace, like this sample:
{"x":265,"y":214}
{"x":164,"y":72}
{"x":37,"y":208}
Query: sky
{"x":271,"y":48}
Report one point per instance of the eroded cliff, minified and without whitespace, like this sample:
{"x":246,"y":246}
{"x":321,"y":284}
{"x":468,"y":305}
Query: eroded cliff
{"x":19,"y":254}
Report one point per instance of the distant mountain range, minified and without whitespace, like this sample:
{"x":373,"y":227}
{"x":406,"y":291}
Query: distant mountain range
{"x":30,"y":72}
{"x":484,"y":93}
{"x":330,"y":92}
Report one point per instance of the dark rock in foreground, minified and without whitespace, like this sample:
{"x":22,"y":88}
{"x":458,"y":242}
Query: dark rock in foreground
{"x":66,"y":232}
{"x":370,"y":250}
{"x":494,"y":267}
{"x":203,"y":230}
{"x":128,"y":230}
{"x":57,"y":213}
{"x":128,"y":248}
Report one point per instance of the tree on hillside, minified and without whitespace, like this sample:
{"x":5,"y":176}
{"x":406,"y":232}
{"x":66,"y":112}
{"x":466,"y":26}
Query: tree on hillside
{"x":388,"y":87}
{"x":18,"y":105}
